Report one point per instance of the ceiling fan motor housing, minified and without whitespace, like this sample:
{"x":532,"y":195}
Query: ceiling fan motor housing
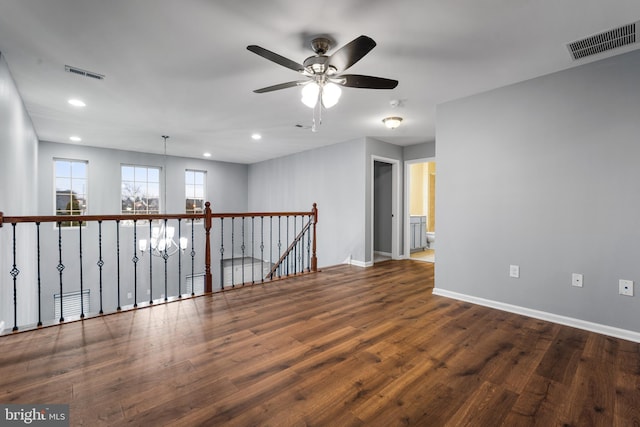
{"x":317,"y":64}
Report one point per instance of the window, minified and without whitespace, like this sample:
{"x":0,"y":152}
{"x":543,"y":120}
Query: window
{"x":140,"y":192}
{"x":195,"y":190}
{"x":71,"y":188}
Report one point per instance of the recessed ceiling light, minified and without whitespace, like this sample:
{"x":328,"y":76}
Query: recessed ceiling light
{"x":77,"y":103}
{"x":256,"y":136}
{"x":207,"y":154}
{"x":75,"y":138}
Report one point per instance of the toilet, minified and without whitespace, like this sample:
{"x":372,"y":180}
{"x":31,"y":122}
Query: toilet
{"x":431,"y":239}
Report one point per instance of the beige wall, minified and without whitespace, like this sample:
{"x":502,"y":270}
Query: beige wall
{"x":423,"y":195}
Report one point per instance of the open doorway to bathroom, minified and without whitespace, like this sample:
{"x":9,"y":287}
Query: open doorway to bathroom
{"x":421,"y":198}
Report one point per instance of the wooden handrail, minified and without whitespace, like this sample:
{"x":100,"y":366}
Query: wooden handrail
{"x":140,"y":217}
{"x":88,"y":218}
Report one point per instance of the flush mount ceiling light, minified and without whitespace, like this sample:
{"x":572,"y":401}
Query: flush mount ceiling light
{"x":75,"y":138}
{"x":207,"y":154}
{"x":77,"y":103}
{"x":256,"y":136}
{"x":392,"y":122}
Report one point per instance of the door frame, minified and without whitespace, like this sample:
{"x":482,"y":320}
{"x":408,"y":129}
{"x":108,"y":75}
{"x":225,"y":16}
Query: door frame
{"x":407,"y":194}
{"x":395,"y":205}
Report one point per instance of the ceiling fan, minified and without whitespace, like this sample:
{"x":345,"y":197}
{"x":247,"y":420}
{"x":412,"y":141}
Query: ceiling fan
{"x":324,"y":72}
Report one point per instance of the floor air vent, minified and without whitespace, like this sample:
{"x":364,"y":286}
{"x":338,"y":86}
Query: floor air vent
{"x":603,"y":42}
{"x":81,"y":72}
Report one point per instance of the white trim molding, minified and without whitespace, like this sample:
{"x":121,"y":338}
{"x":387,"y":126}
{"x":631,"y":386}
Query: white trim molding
{"x":361,"y":263}
{"x":543,"y":315}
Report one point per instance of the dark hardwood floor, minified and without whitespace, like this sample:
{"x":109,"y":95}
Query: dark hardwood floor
{"x":345,"y":347}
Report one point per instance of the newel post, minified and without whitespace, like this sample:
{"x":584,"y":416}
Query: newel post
{"x":314,"y":258}
{"x":208,"y":282}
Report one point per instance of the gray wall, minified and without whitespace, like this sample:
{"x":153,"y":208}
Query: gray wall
{"x":545,"y":174}
{"x":18,"y":176}
{"x":425,"y":150}
{"x":226,"y":182}
{"x":334,"y":178}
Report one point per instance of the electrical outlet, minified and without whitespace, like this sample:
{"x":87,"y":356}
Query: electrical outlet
{"x":625,"y":287}
{"x":129,"y":296}
{"x":148,"y":291}
{"x":514,"y":271}
{"x":576,"y":280}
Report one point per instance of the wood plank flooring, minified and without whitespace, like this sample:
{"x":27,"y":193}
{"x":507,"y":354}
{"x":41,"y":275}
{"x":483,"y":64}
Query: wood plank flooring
{"x":345,"y":347}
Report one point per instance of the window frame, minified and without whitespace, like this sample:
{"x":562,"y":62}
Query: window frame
{"x":146,"y":194}
{"x":84,"y":209}
{"x":194,"y":186}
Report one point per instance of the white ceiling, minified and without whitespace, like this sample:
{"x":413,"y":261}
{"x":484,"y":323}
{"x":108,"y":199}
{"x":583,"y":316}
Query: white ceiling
{"x":181,"y":68}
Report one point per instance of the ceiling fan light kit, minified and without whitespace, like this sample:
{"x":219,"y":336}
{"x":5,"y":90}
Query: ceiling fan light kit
{"x":324,"y":72}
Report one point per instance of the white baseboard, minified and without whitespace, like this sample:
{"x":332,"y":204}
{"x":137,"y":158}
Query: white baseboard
{"x":387,"y":254}
{"x":542,"y":315}
{"x":361,"y":263}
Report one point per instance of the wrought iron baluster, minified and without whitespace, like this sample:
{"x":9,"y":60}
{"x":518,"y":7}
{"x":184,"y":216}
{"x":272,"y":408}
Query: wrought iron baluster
{"x":14,"y":272}
{"x":60,"y":267}
{"x":253,"y":248}
{"x":135,"y":260}
{"x":180,"y":258}
{"x":262,"y":249}
{"x":39,"y":282}
{"x":295,"y":246}
{"x":221,"y":253}
{"x":118,"y":260}
{"x":270,"y":245}
{"x":288,"y":261}
{"x":100,"y":261}
{"x":81,"y":278}
{"x":309,"y":246}
{"x":151,"y":263}
{"x":233,"y":280}
{"x":242,"y":249}
{"x":302,"y":257}
{"x":279,"y":245}
{"x":193,"y":257}
{"x":166,"y":258}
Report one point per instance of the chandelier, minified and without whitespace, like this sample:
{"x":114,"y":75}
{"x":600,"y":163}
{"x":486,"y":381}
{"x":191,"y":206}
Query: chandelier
{"x":161,"y":242}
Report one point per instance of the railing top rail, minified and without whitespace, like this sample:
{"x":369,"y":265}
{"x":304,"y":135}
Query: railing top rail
{"x":89,"y":218}
{"x":143,"y":217}
{"x":260,"y":214}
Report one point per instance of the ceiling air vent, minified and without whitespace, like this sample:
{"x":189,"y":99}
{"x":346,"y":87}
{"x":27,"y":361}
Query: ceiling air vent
{"x":81,"y":72}
{"x":603,"y":42}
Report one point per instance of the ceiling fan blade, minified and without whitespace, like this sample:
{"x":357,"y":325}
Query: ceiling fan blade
{"x":366,"y":82}
{"x":280,"y":86}
{"x":274,"y":57}
{"x":351,"y":53}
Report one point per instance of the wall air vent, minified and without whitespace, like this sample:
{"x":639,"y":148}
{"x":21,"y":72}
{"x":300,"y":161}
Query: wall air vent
{"x":604,"y":41}
{"x":81,"y":72}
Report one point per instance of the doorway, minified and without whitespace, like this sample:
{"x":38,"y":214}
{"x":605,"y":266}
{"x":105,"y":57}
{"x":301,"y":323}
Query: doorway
{"x":420,"y":230}
{"x":385,"y":205}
